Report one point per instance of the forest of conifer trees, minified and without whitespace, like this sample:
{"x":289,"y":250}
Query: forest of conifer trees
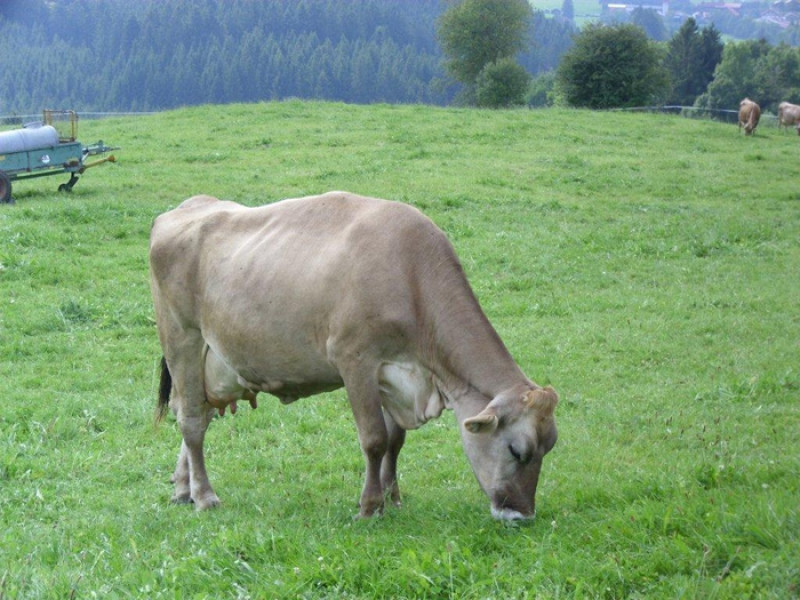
{"x":118,"y":55}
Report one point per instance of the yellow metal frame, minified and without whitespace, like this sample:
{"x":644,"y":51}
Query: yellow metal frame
{"x":64,"y":121}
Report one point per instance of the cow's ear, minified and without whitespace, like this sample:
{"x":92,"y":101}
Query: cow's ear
{"x":484,"y":422}
{"x":543,"y":401}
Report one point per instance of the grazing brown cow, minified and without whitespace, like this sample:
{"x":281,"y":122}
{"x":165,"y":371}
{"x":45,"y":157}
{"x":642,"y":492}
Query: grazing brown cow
{"x":749,"y":114}
{"x":312,"y":294}
{"x":788,"y":115}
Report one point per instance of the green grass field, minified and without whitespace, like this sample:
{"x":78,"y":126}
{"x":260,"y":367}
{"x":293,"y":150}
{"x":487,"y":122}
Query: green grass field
{"x":646,"y":266}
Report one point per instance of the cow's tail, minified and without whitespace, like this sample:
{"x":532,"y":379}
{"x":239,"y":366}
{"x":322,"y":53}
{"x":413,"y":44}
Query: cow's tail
{"x":750,"y":126}
{"x":752,"y":121}
{"x":164,"y":390}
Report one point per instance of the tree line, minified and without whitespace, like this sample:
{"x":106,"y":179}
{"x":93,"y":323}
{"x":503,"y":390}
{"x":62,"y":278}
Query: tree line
{"x":619,"y":66}
{"x":118,"y":55}
{"x":612,"y":65}
{"x":149,"y":54}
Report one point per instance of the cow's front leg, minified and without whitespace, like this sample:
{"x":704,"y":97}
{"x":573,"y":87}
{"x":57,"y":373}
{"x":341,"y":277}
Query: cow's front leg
{"x":365,"y":402}
{"x":396,"y":439}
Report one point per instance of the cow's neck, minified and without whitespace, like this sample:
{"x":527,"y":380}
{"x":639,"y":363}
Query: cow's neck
{"x":469,"y":358}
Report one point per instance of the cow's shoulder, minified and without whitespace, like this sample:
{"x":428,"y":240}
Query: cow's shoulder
{"x":199,"y":201}
{"x":192,"y":213}
{"x":197,"y":206}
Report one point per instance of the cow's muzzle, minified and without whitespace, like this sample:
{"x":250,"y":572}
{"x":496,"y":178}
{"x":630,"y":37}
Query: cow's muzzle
{"x":505,"y":509}
{"x":509,"y":514}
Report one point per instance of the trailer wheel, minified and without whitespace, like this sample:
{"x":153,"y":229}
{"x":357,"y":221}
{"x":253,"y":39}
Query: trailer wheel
{"x":5,"y":189}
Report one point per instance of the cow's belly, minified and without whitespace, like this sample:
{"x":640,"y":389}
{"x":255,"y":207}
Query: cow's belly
{"x":409,"y":393}
{"x":408,"y":390}
{"x":225,"y":383}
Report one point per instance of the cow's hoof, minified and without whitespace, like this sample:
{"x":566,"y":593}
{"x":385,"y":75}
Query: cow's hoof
{"x":206,"y":502}
{"x":181,"y":498}
{"x":361,"y":516}
{"x":376,"y":511}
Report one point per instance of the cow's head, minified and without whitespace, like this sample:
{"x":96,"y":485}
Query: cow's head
{"x":505,"y":444}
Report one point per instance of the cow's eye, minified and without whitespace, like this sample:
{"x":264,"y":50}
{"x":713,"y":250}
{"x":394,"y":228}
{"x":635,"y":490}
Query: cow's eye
{"x":517,"y":456}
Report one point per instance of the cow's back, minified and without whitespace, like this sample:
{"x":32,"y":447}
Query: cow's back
{"x":300,"y":239}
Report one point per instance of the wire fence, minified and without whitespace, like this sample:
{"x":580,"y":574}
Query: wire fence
{"x":22,"y":120}
{"x":690,"y":112}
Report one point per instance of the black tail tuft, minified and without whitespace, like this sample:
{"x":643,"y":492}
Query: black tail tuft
{"x":164,"y":390}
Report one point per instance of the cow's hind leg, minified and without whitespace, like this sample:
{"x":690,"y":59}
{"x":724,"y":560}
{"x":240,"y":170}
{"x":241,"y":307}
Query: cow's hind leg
{"x":180,"y":478}
{"x":193,"y":429}
{"x":396,"y":439}
{"x":185,"y":360}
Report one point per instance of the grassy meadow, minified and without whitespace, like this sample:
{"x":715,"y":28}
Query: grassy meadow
{"x":647,"y":266}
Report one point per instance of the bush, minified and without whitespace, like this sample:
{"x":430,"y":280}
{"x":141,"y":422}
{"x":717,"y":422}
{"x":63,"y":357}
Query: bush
{"x":541,"y":91}
{"x":501,"y":84}
{"x":612,"y":67}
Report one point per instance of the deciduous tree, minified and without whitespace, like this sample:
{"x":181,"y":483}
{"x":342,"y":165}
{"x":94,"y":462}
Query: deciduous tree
{"x":736,"y":76}
{"x":477,"y":33}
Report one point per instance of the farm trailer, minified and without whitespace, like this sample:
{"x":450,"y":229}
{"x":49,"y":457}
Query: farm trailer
{"x":46,"y":148}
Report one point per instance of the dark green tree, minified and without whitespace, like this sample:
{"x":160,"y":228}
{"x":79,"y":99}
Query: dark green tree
{"x":477,"y":33}
{"x":711,"y":48}
{"x":611,"y":67}
{"x":692,"y":56}
{"x":568,"y":10}
{"x":553,"y":38}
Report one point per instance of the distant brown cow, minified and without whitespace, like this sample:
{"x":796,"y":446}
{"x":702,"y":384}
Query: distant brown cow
{"x":788,"y":114}
{"x":749,"y":114}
